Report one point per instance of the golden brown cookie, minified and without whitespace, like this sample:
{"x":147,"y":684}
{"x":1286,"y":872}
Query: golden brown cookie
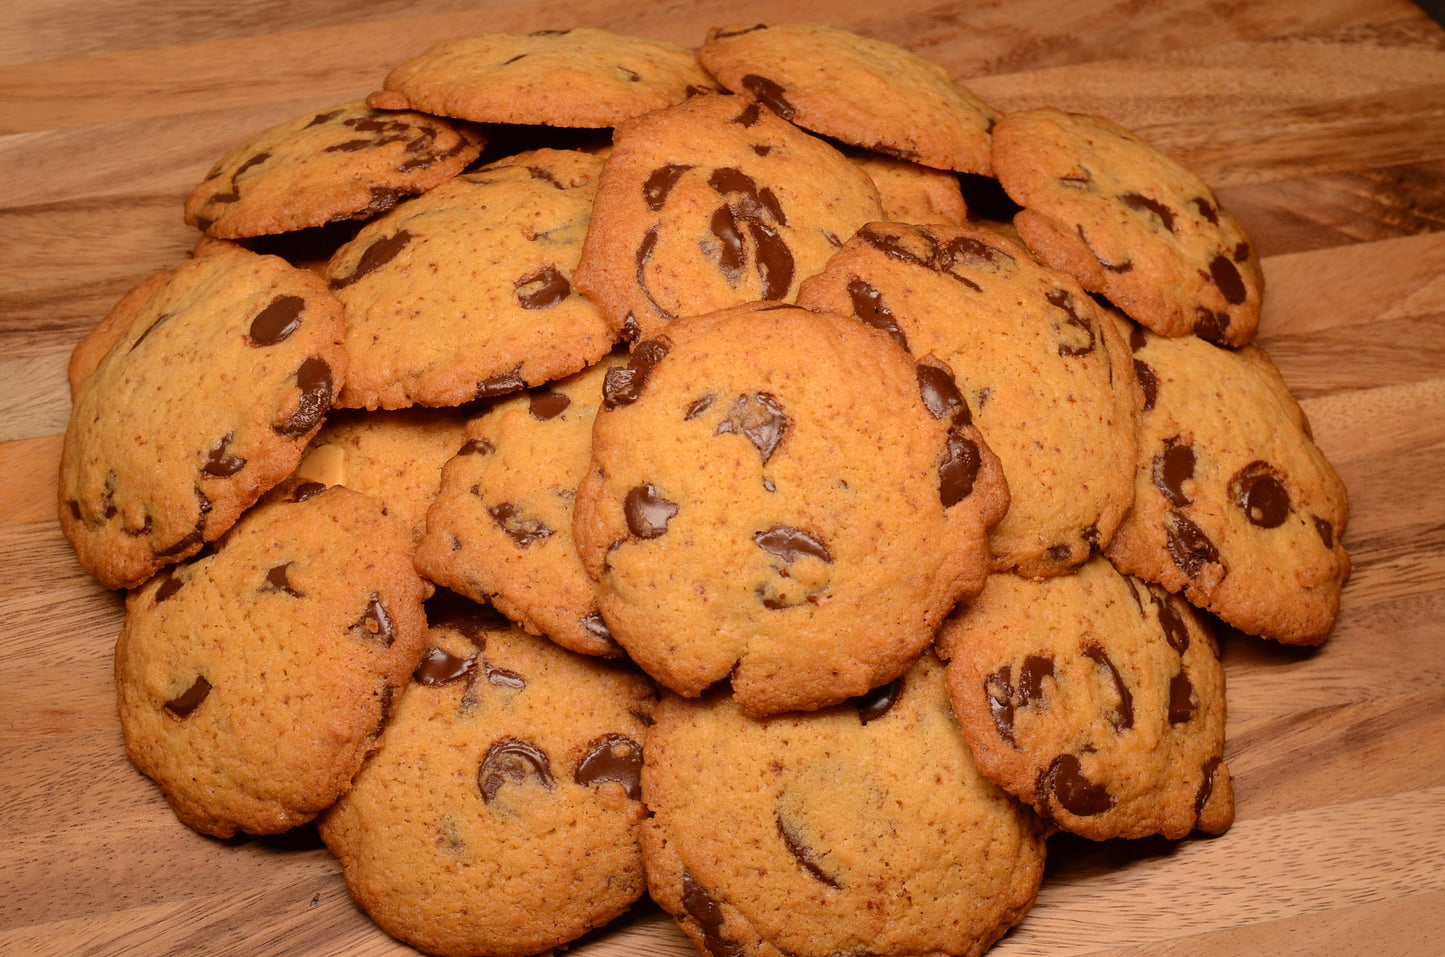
{"x":1235,"y":507}
{"x":710,"y":204}
{"x":1130,"y":223}
{"x":783,"y":498}
{"x":466,"y":292}
{"x":252,"y":681}
{"x":500,"y":530}
{"x":1096,"y":699}
{"x":191,"y":399}
{"x":856,"y":89}
{"x":1045,"y":373}
{"x":500,"y":813}
{"x":864,"y":828}
{"x":584,"y":77}
{"x":348,"y":162}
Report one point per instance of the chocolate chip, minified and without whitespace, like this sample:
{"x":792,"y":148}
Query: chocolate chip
{"x":659,"y":184}
{"x":1005,"y":698}
{"x":277,"y":321}
{"x":623,"y":384}
{"x":756,"y":211}
{"x":770,"y":93}
{"x":278,"y":580}
{"x":701,"y":907}
{"x":1188,"y":546}
{"x":543,"y":288}
{"x":477,"y":447}
{"x":440,"y":667}
{"x":1327,"y":532}
{"x":522,"y":531}
{"x":546,"y":404}
{"x":1064,"y":779}
{"x":940,"y":394}
{"x":1260,"y":494}
{"x":305,"y":490}
{"x":220,"y":463}
{"x":868,"y":306}
{"x":958,"y":469}
{"x":503,"y":383}
{"x":647,"y":511}
{"x":1061,"y":299}
{"x":155,"y":324}
{"x":1176,"y":632}
{"x":1121,"y":717}
{"x":594,"y":624}
{"x":1148,"y":383}
{"x":612,"y":757}
{"x":1181,"y":698}
{"x":167,"y":588}
{"x":378,"y":254}
{"x":1226,"y":276}
{"x":759,"y":418}
{"x":1206,"y":209}
{"x":185,"y":704}
{"x":698,"y":406}
{"x":791,"y":544}
{"x":1206,"y":788}
{"x":1172,"y":468}
{"x":375,"y":623}
{"x":1139,"y":201}
{"x":803,"y":854}
{"x":314,"y":381}
{"x":512,"y":760}
{"x":1210,"y":325}
{"x":750,"y":115}
{"x":874,"y":704}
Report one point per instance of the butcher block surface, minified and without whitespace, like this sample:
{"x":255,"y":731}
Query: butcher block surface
{"x":1320,"y":124}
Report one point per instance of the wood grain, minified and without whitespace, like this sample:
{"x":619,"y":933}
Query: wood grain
{"x":1322,"y":125}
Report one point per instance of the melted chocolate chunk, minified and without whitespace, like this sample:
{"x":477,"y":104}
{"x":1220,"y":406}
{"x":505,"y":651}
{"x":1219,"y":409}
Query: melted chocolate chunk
{"x":770,"y":93}
{"x":277,"y":321}
{"x":502,"y":677}
{"x":1141,"y":202}
{"x":868,"y":306}
{"x":156,"y":324}
{"x":522,"y":531}
{"x":185,"y":704}
{"x":596,"y":626}
{"x":476,"y":447}
{"x":542,"y":289}
{"x":660,"y":183}
{"x":375,"y":623}
{"x":1064,"y":779}
{"x":503,"y":383}
{"x":220,"y":463}
{"x":701,"y":907}
{"x":166,"y":589}
{"x":1005,"y":698}
{"x":1172,"y":468}
{"x":278,"y":580}
{"x":1188,"y":546}
{"x":1148,"y":383}
{"x":1327,"y":532}
{"x":512,"y":760}
{"x":546,"y":404}
{"x":305,"y":490}
{"x":1210,"y":325}
{"x":941,"y":396}
{"x":378,"y":254}
{"x":1181,"y":698}
{"x":1206,"y":209}
{"x":791,"y":544}
{"x":623,"y":384}
{"x":1176,"y":632}
{"x":698,"y":406}
{"x":1121,"y":717}
{"x":1206,"y":788}
{"x":1226,"y":276}
{"x":1260,"y":495}
{"x":314,"y":381}
{"x":958,"y":469}
{"x":1061,"y":299}
{"x":439,"y":667}
{"x":647,"y":512}
{"x":803,"y":854}
{"x":759,"y":418}
{"x":874,"y":704}
{"x":612,"y":757}
{"x":756,"y":212}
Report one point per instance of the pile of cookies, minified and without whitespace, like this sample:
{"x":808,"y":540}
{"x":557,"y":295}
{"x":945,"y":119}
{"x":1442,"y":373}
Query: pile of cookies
{"x":765,"y":477}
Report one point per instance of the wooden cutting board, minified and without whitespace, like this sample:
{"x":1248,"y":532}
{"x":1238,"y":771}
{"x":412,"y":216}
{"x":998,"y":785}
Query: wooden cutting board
{"x":1321,"y":124}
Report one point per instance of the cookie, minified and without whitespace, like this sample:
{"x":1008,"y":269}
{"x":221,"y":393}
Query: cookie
{"x":500,"y":814}
{"x":1235,"y":507}
{"x":1130,"y":223}
{"x":863,"y":828}
{"x":855,"y":89}
{"x":466,"y":293}
{"x":1045,"y":374}
{"x":347,"y":162}
{"x":914,"y":194}
{"x":583,"y":77}
{"x":710,"y":204}
{"x":252,"y":681}
{"x":1096,"y":699}
{"x":212,"y":379}
{"x":395,"y":457}
{"x":782,"y":498}
{"x":500,"y":529}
